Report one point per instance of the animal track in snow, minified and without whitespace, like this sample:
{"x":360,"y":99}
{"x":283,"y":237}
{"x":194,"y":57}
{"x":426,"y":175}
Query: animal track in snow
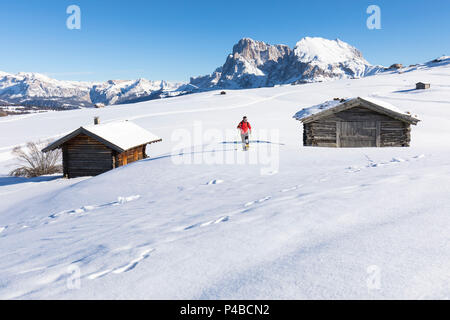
{"x":214,"y":182}
{"x":398,"y":160}
{"x":372,"y":164}
{"x":291,"y":189}
{"x":221,"y":219}
{"x":123,"y":268}
{"x":122,"y":200}
{"x":99,"y":274}
{"x":130,"y":266}
{"x":204,"y":224}
{"x":84,"y":209}
{"x":239,"y":211}
{"x":248,"y":204}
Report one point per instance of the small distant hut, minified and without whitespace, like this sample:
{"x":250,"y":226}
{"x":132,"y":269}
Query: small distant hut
{"x":95,"y":149}
{"x":223,"y":92}
{"x":396,"y":66}
{"x":355,"y":123}
{"x":422,"y":86}
{"x":99,"y":105}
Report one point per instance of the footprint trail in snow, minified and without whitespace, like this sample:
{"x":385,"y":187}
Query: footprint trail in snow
{"x":84,"y":209}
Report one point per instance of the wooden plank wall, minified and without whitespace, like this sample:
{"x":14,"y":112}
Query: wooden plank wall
{"x":325,"y":132}
{"x":84,"y":156}
{"x":395,"y":134}
{"x":130,"y":156}
{"x":320,"y":133}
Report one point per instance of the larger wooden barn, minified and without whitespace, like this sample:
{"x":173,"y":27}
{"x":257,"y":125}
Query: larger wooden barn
{"x":92,"y":150}
{"x":355,"y":123}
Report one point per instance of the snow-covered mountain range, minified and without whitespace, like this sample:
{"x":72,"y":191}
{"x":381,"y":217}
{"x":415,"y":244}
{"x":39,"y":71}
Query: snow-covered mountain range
{"x":38,"y":89}
{"x":257,"y":64}
{"x":252,"y":64}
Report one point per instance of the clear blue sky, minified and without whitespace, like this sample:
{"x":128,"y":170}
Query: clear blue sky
{"x":174,"y":40}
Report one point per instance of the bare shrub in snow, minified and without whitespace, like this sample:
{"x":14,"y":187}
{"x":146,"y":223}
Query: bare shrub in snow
{"x":34,"y":163}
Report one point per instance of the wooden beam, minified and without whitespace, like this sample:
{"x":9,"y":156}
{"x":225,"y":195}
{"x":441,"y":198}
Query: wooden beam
{"x":338,"y":134}
{"x":378,"y":133}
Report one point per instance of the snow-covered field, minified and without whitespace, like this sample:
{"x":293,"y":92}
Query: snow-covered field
{"x":201,"y":219}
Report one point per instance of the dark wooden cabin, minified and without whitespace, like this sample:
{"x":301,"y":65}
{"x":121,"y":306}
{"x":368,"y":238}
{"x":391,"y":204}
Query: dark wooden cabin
{"x":93,"y":150}
{"x":422,"y":86}
{"x":355,"y":123}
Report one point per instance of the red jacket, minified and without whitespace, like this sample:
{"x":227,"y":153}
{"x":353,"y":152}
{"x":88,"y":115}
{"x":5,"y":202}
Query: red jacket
{"x":244,"y":126}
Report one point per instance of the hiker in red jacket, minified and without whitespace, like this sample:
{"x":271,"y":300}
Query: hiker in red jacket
{"x":245,"y":129}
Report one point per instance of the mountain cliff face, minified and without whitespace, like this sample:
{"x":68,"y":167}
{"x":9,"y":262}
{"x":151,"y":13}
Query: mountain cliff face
{"x":40,"y":90}
{"x":257,"y":64}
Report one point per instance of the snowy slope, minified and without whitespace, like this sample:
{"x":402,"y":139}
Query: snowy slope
{"x":298,"y":223}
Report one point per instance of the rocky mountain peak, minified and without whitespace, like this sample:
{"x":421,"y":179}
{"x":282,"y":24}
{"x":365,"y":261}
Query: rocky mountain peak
{"x":255,"y":64}
{"x":258,"y":52}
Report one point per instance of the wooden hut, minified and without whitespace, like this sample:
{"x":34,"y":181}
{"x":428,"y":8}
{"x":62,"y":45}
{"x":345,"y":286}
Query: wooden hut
{"x":92,"y":150}
{"x":422,"y":86}
{"x":355,"y":123}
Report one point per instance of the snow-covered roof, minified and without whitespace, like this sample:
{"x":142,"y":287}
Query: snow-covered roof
{"x":124,"y":134}
{"x":307,"y":112}
{"x":119,"y":135}
{"x":382,"y":106}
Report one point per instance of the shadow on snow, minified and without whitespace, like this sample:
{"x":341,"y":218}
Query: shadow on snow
{"x":6,"y":181}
